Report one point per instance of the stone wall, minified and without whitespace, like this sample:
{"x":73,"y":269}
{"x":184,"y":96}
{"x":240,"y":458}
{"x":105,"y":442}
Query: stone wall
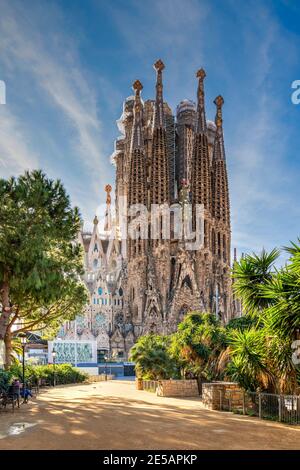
{"x":88,"y":370}
{"x":177,"y":388}
{"x":221,"y":395}
{"x":100,"y":378}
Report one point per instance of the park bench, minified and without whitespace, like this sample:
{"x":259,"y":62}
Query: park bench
{"x":43,"y":383}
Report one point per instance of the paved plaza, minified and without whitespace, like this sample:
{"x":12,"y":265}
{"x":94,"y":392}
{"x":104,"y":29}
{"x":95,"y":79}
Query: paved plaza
{"x":113,"y":415}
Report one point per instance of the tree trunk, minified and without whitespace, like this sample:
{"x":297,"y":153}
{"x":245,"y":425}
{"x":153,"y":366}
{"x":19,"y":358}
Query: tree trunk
{"x":199,"y":383}
{"x":6,"y":310}
{"x":8,"y":348}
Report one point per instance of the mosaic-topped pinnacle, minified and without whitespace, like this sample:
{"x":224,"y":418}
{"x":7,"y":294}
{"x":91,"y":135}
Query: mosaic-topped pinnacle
{"x":137,"y":86}
{"x":159,"y":65}
{"x":219,"y":101}
{"x":201,"y":74}
{"x":108,"y":189}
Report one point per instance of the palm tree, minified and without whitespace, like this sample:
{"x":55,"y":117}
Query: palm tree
{"x":261,"y":355}
{"x":197,"y":344}
{"x":150,"y":354}
{"x":283,"y":315}
{"x":248,"y":365}
{"x":250,"y":274}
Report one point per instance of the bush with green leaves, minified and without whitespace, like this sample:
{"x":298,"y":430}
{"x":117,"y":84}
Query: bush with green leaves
{"x":197,"y":346}
{"x":64,"y":374}
{"x":152,"y":359}
{"x":5,"y":379}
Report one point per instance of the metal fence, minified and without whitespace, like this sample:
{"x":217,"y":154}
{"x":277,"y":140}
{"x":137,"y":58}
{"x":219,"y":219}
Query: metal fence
{"x":282,"y":408}
{"x":150,"y":385}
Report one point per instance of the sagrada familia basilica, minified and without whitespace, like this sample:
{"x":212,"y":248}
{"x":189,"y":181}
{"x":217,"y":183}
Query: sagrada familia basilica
{"x":144,"y":284}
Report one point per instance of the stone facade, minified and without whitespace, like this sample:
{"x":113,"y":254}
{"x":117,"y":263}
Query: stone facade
{"x":144,"y":284}
{"x":184,"y":163}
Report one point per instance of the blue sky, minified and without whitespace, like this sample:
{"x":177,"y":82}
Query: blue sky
{"x":69,"y":64}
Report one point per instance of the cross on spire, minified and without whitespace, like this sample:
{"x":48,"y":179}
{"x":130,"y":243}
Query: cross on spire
{"x":137,"y":87}
{"x":159,"y":65}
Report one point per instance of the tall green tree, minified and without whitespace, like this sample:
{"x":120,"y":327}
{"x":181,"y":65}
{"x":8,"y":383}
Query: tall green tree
{"x":40,"y":265}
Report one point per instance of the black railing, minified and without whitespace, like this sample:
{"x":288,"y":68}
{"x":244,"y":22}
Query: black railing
{"x":282,"y":408}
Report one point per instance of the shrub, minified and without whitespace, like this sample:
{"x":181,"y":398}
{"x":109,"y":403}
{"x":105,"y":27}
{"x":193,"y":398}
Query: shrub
{"x":151,"y":357}
{"x":5,"y":379}
{"x":64,"y":374}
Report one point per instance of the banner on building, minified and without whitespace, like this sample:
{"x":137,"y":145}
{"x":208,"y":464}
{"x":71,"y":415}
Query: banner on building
{"x":72,"y":352}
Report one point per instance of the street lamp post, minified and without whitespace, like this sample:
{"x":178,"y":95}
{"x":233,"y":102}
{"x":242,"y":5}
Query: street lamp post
{"x":23,"y":343}
{"x":105,"y":359}
{"x":53,"y":360}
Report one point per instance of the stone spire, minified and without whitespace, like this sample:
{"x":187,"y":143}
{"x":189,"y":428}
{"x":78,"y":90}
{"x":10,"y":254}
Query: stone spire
{"x":200,"y":164}
{"x":137,"y":178}
{"x":159,"y":101}
{"x":137,"y":193}
{"x":107,"y":223}
{"x":219,"y":151}
{"x":201,"y":119}
{"x":159,"y":179}
{"x":221,"y":209}
{"x":137,"y":141}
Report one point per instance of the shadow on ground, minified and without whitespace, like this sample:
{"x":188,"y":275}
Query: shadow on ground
{"x":94,"y":417}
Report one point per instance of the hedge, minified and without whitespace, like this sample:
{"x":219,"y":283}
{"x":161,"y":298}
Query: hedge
{"x":64,"y":374}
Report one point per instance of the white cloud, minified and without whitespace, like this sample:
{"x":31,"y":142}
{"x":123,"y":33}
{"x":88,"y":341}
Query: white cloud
{"x":52,"y":62}
{"x":15,"y":153}
{"x":261,"y":182}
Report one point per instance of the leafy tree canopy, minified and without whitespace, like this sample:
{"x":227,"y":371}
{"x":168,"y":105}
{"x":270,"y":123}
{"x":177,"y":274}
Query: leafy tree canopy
{"x":40,"y":263}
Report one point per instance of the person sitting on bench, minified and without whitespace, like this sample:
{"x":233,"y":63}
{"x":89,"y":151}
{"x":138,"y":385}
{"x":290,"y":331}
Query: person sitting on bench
{"x":26,"y":393}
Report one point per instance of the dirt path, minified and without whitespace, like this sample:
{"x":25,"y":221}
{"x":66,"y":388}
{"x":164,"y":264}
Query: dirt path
{"x":113,"y":415}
